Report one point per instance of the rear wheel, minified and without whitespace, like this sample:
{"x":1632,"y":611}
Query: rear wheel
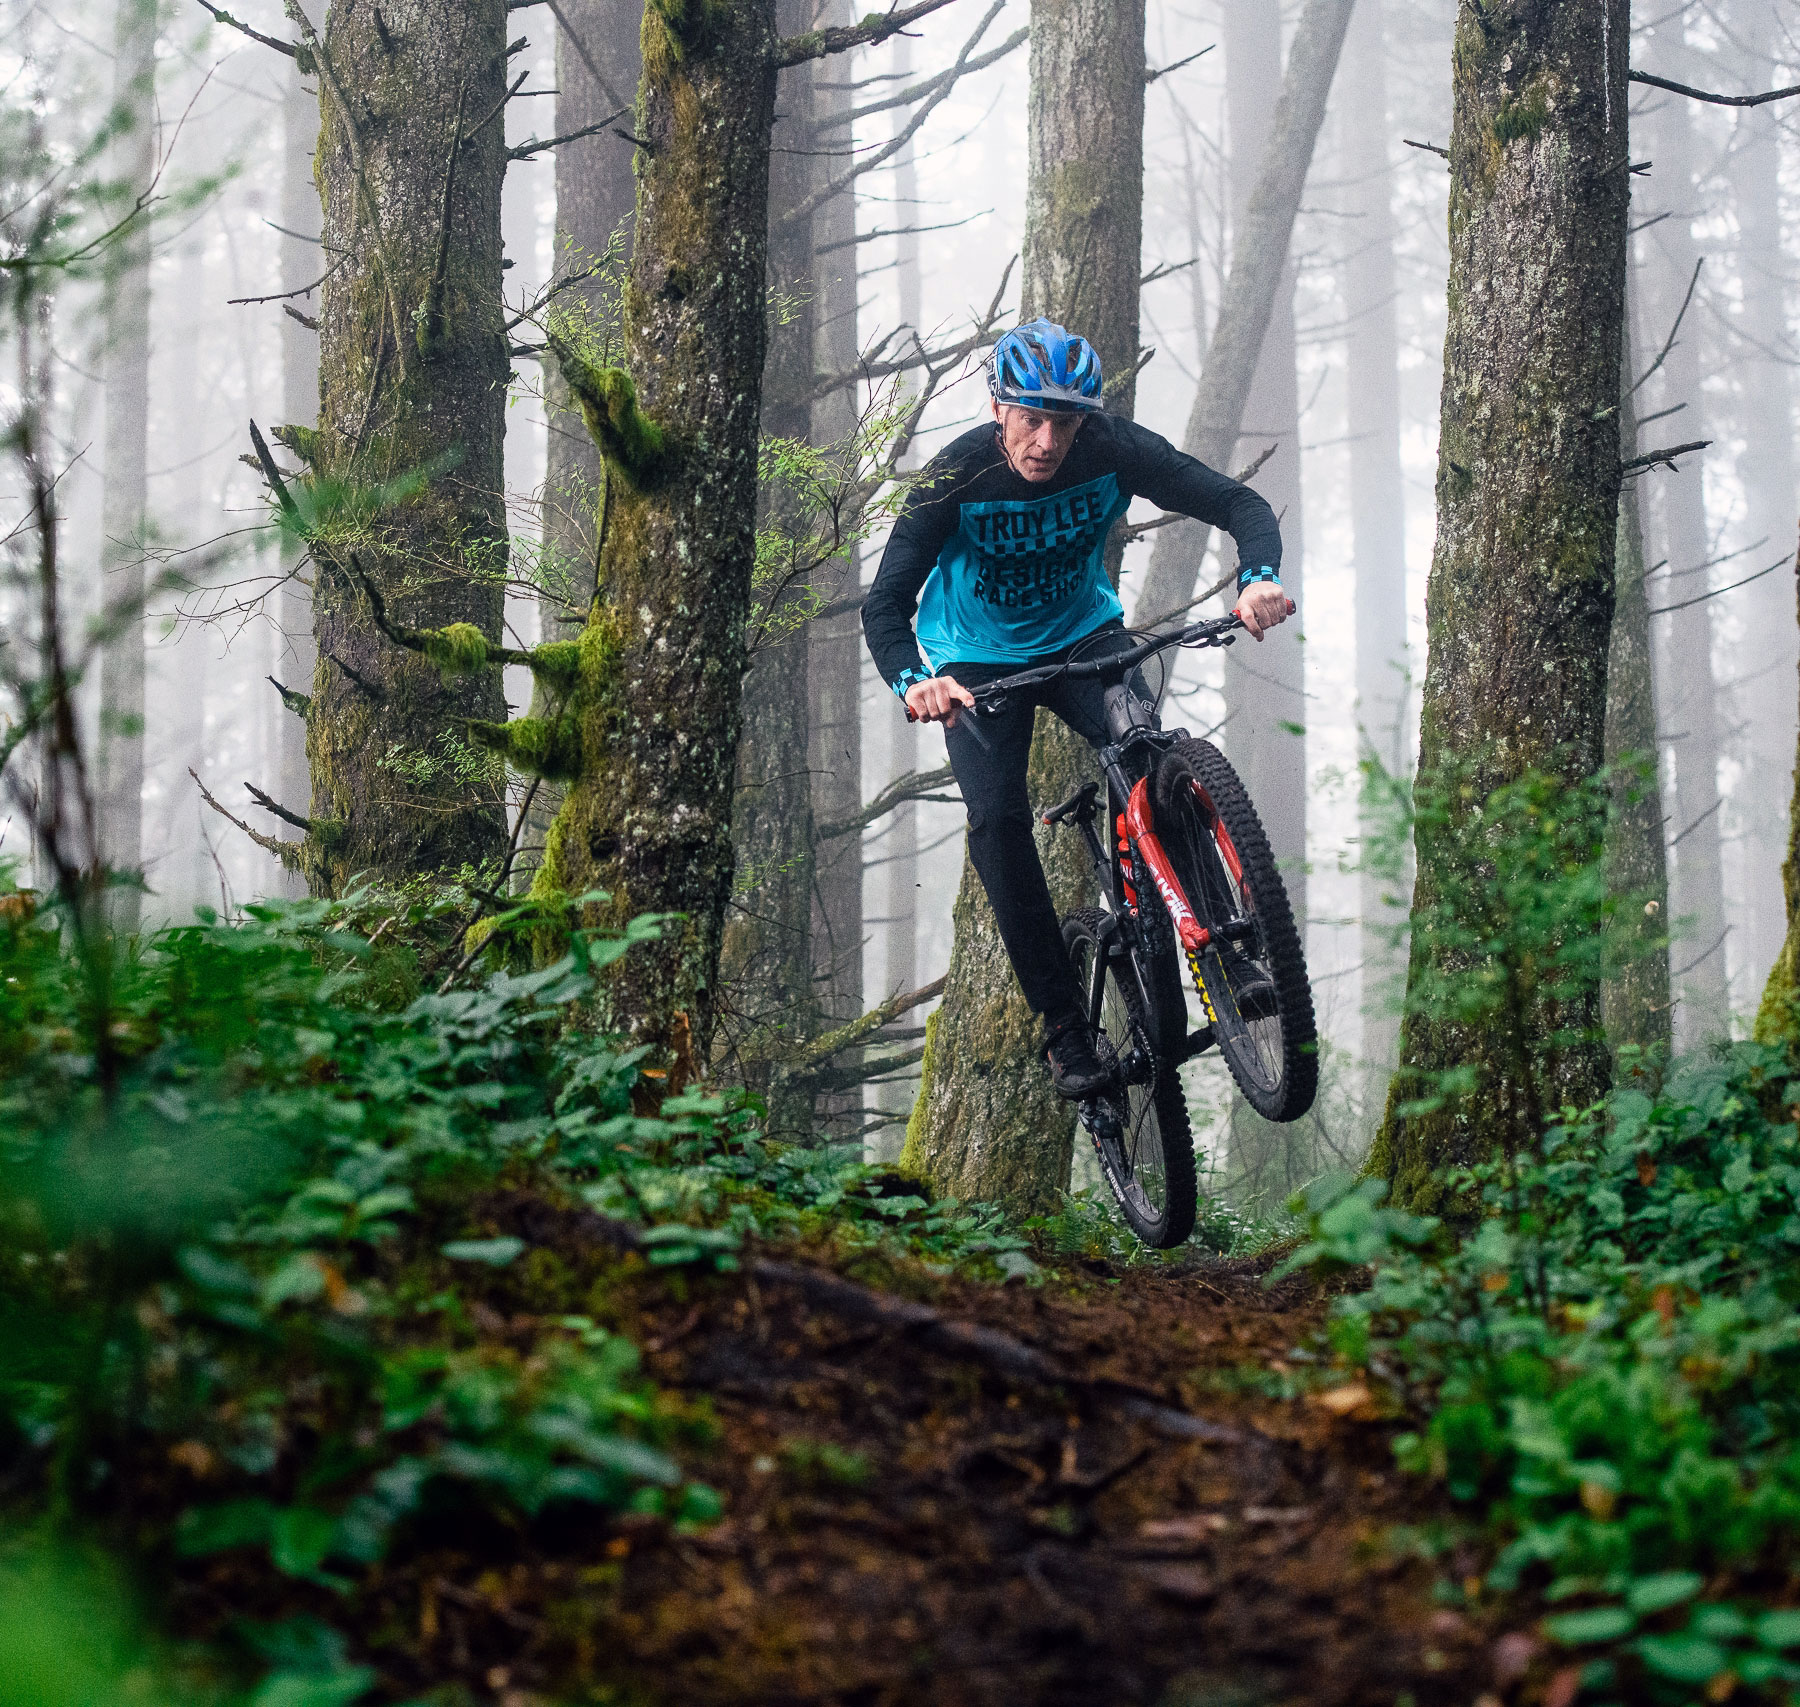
{"x":1140,"y":1127}
{"x":1252,"y":976}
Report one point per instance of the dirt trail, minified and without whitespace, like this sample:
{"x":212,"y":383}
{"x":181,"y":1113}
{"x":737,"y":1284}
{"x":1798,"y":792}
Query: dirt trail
{"x":906,"y":1527}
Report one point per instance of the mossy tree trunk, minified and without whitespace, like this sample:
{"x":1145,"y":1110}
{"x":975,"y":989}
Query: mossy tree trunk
{"x":1635,"y":998}
{"x":1778,"y":1016}
{"x":987,"y":1124}
{"x":596,"y":191}
{"x":1520,"y":602}
{"x":413,"y":375}
{"x":766,"y":968}
{"x":656,"y":695}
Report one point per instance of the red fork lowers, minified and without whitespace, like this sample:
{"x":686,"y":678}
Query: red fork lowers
{"x":1194,"y":935}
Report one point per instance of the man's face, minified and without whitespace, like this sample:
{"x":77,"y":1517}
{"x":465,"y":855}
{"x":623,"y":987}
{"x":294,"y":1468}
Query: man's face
{"x":1035,"y":442}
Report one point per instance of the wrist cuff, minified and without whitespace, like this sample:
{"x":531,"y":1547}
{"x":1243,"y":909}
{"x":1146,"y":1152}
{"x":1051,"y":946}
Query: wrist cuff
{"x":907,"y":679}
{"x":1265,"y":573}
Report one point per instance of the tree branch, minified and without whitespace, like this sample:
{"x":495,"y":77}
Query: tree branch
{"x":287,"y":852}
{"x":916,"y":785}
{"x":980,"y":338}
{"x":1701,"y":598}
{"x":223,"y":17}
{"x":1663,"y":458}
{"x":1669,"y":342}
{"x":809,"y":204}
{"x":1151,"y":75}
{"x":897,"y":231}
{"x":818,"y":1052}
{"x":930,"y":86}
{"x":275,"y":808}
{"x":1694,"y":94}
{"x":526,"y":149}
{"x":817,"y":44}
{"x":415,"y":639}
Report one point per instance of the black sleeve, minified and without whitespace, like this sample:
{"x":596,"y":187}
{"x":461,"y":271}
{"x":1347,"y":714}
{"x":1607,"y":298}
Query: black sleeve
{"x":1152,"y":467}
{"x":927,"y":518}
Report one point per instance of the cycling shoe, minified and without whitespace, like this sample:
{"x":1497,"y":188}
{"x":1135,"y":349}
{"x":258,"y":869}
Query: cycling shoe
{"x":1076,"y":1069}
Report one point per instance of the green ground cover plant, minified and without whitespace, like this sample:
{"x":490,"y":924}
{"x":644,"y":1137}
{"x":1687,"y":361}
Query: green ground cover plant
{"x":244,"y":1258}
{"x":1605,"y":1369}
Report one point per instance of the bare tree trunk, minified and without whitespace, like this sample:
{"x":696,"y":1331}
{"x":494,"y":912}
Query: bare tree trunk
{"x":1377,"y":503}
{"x":834,"y":644}
{"x":1687,"y":691}
{"x":987,"y":1124}
{"x":413,"y":365}
{"x":1251,"y":294}
{"x":1634,"y":1001}
{"x":834,"y":665}
{"x":1764,"y":659}
{"x":900,"y":846}
{"x":302,"y":263}
{"x":766,"y":963}
{"x":1265,"y":686}
{"x":595,"y":197}
{"x":1520,"y":603}
{"x":124,"y":497}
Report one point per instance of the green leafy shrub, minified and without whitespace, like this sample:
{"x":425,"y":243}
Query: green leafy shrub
{"x":1608,"y":1365}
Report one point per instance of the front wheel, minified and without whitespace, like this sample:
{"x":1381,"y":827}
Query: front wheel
{"x":1140,"y":1127}
{"x":1251,"y":977}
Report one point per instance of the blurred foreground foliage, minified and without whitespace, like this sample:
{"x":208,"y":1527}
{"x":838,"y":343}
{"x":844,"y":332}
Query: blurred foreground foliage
{"x":255,"y":1190}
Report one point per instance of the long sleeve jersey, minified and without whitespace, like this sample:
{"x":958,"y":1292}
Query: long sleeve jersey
{"x":1000,"y":570}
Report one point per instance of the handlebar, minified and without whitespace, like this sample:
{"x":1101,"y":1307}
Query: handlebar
{"x":1214,"y":631}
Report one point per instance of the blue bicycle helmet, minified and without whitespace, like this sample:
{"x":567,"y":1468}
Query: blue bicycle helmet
{"x":1041,"y":366}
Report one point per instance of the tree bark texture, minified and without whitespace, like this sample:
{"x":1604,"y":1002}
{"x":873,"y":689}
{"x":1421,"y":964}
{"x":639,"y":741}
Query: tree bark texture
{"x":1635,"y":998}
{"x":1764,"y":658}
{"x":596,"y":193}
{"x":650,"y":729}
{"x":834,"y":665}
{"x":1778,"y":1015}
{"x":124,"y":494}
{"x":302,"y":263}
{"x":1520,"y":602}
{"x":413,"y":369}
{"x":900,"y":845}
{"x":987,"y":1124}
{"x":1377,"y":505}
{"x":766,"y":963}
{"x":1252,"y":289}
{"x":1687,"y":692}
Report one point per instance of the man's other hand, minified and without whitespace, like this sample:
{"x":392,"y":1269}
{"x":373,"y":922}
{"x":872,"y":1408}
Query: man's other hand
{"x":938,"y":699}
{"x":1261,"y":606}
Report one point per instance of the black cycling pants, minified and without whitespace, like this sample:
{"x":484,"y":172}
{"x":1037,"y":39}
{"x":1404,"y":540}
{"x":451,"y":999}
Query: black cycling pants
{"x":992,"y":780}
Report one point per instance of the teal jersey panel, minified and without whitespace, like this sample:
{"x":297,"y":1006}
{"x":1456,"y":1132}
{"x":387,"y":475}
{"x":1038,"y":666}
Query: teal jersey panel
{"x":1020,"y":578}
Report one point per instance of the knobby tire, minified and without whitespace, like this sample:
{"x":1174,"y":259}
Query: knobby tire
{"x":1195,"y":791}
{"x":1152,"y":1156}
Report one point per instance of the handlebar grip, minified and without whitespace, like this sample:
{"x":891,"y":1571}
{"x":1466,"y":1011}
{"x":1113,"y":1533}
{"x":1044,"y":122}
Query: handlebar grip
{"x":1292,"y":607}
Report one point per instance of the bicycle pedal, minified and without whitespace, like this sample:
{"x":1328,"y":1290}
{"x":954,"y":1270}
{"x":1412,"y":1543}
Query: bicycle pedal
{"x":1101,"y":1118}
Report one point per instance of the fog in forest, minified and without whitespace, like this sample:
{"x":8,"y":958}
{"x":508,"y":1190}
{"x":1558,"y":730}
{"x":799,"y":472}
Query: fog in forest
{"x":153,"y":402}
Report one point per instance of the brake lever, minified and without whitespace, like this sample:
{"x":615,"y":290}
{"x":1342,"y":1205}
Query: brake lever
{"x":972,"y":717}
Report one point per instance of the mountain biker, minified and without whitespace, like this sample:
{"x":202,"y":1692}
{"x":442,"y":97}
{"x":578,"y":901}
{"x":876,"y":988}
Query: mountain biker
{"x":1000,"y":550}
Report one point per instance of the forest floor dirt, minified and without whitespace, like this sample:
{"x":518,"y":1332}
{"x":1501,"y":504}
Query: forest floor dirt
{"x":906,"y":1525}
